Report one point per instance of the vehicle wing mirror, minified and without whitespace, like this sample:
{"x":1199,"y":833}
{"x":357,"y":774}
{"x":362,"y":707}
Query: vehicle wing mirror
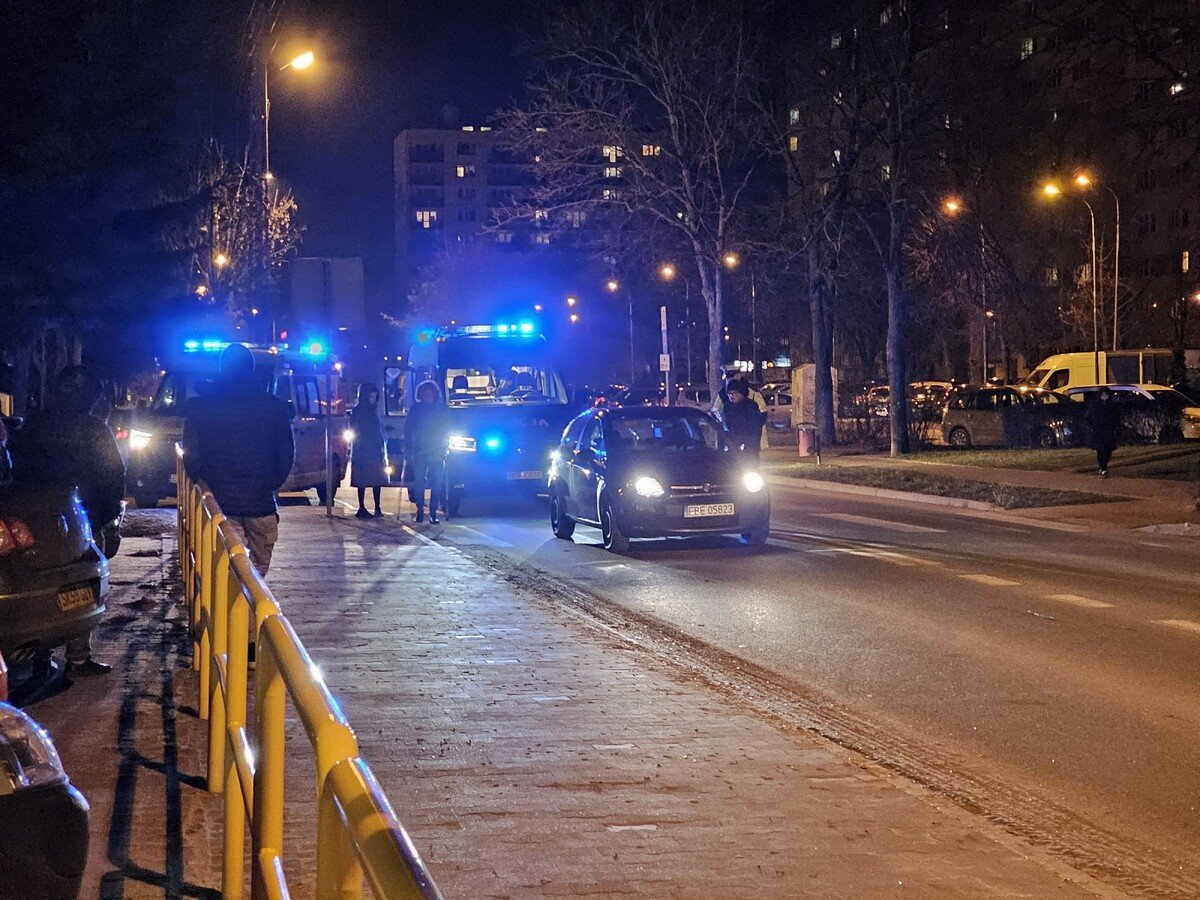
{"x":291,"y":410}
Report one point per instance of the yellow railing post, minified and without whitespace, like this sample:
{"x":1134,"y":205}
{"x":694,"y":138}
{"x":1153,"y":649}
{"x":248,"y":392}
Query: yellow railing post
{"x":204,"y":609}
{"x":218,"y":675}
{"x":233,"y":872}
{"x":266,"y":829}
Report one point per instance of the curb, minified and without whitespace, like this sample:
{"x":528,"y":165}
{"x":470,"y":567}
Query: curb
{"x":839,"y":487}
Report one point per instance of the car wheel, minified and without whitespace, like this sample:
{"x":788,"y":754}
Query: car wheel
{"x":959,"y":438}
{"x":756,"y":537}
{"x":610,"y":528}
{"x":454,"y":502}
{"x":562,"y":524}
{"x":1045,"y":439}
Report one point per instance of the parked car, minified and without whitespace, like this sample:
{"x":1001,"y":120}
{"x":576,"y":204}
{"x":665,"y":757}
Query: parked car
{"x":652,"y":472}
{"x":778,"y":398}
{"x":640,"y":397}
{"x":1085,"y":369}
{"x":43,"y":817}
{"x":53,"y":577}
{"x":927,"y":399}
{"x":1010,"y":417}
{"x":1149,"y":412}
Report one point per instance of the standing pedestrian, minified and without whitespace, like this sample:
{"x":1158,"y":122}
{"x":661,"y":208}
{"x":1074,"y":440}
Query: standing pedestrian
{"x":67,"y":445}
{"x":722,"y":401}
{"x":425,"y":437}
{"x":1103,"y":418}
{"x":368,"y":455}
{"x":743,"y":418}
{"x":238,"y":441}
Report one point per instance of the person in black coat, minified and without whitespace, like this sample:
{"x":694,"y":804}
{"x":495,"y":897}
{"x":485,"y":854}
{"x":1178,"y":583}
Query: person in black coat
{"x":368,"y":458}
{"x":1103,"y":419}
{"x":67,"y":445}
{"x":425,"y":443}
{"x":239,"y":442}
{"x":743,"y":419}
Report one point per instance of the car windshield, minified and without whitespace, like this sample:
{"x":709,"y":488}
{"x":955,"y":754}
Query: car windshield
{"x":1172,"y":396}
{"x":1041,"y":398}
{"x":1036,"y":377}
{"x":498,"y":372}
{"x":665,"y":432}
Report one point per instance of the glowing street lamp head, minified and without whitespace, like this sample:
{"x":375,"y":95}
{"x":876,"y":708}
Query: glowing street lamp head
{"x":1083,"y":180}
{"x":953,"y":206}
{"x":667,"y":271}
{"x":201,"y":290}
{"x":1051,"y":190}
{"x":613,"y":285}
{"x":574,"y":318}
{"x":302,"y":62}
{"x":572,"y":300}
{"x":220,"y":260}
{"x":731,"y":260}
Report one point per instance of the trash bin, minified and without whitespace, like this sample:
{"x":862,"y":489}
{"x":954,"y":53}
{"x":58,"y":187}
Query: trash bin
{"x":806,"y":439}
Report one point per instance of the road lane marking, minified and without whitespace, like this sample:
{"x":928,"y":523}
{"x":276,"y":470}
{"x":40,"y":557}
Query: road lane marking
{"x":1185,"y":624}
{"x":1076,"y":600}
{"x":989,"y":579}
{"x":899,"y":559}
{"x":881,"y":523}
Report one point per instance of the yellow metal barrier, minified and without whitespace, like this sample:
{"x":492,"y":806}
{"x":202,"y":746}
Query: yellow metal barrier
{"x":358,"y":834}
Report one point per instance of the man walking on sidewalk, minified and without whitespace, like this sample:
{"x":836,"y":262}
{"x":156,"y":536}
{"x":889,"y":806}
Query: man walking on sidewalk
{"x":1103,"y":418}
{"x":238,"y":441}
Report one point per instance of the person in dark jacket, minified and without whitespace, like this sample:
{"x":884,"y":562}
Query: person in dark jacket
{"x":67,"y":445}
{"x":425,"y":437}
{"x":368,"y":457}
{"x":743,"y":419}
{"x":238,"y":441}
{"x":1103,"y":419}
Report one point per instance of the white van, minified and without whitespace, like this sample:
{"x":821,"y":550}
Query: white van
{"x":1067,"y":370}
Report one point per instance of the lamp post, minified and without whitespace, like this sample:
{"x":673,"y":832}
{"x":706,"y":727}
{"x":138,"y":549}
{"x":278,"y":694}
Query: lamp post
{"x":732,"y":261}
{"x":667,"y":272}
{"x":1085,"y":181}
{"x":299,"y":63}
{"x":954,"y":206}
{"x":613,"y":286}
{"x":1053,"y":190}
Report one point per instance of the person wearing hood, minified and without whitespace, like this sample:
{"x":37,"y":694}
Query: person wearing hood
{"x":368,"y":455}
{"x":425,"y":443}
{"x":1103,"y":419}
{"x":742,"y":417}
{"x":67,"y":445}
{"x":238,"y":441}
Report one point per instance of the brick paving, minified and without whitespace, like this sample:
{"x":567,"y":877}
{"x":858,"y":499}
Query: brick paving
{"x":529,"y":753}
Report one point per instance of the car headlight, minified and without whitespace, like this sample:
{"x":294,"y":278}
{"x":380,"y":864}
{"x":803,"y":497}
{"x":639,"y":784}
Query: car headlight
{"x":648,"y":487}
{"x":27,"y":755}
{"x":753,"y":482}
{"x":139,"y":440}
{"x":348,"y":435}
{"x":461,"y":443}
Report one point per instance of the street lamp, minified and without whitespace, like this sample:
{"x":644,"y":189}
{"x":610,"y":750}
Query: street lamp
{"x":613,"y":285}
{"x":667,"y":271}
{"x":953,"y":206}
{"x":220,"y":260}
{"x":574,"y":318}
{"x":1084,"y":181}
{"x":572,"y":300}
{"x":298,"y":63}
{"x":731,"y":260}
{"x":1052,"y":190}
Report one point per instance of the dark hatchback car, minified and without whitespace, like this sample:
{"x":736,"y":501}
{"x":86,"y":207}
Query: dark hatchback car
{"x":644,"y":472}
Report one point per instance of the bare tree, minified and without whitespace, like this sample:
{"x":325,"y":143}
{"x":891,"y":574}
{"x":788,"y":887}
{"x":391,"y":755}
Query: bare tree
{"x":646,"y":119}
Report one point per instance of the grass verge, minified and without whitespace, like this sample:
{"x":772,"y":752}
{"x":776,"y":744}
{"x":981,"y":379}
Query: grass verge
{"x":1005,"y":496}
{"x":1179,"y":462}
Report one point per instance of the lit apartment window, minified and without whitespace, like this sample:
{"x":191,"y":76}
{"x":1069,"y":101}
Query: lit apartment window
{"x":504,"y":237}
{"x":794,"y":115}
{"x":793,"y":143}
{"x":426,"y":217}
{"x":541,"y":238}
{"x":612,"y":171}
{"x":887,"y":15}
{"x":1054,"y":115}
{"x":539,"y":215}
{"x":576,"y":217}
{"x":611,"y":153}
{"x":944,"y":19}
{"x":1185,"y":261}
{"x":464,"y":171}
{"x":947,"y":122}
{"x":612,"y":194}
{"x":651,"y":150}
{"x":1026,"y":47}
{"x":835,"y":41}
{"x":1176,"y":90}
{"x":837,"y":157}
{"x":885,"y":172}
{"x":1052,"y":276}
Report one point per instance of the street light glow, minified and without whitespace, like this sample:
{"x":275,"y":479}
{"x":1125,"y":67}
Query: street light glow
{"x":220,"y":260}
{"x":731,"y":260}
{"x":574,"y":318}
{"x":953,"y":206}
{"x":613,"y":285}
{"x":537,"y":307}
{"x":1083,"y":180}
{"x":301,"y":62}
{"x":201,"y":290}
{"x":667,"y":271}
{"x":572,"y":300}
{"x":1051,"y":190}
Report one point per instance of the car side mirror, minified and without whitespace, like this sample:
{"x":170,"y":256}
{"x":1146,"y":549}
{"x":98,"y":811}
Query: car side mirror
{"x":291,"y":410}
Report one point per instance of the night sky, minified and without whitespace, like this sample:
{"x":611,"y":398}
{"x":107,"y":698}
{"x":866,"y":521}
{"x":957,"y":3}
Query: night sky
{"x":383,"y":66}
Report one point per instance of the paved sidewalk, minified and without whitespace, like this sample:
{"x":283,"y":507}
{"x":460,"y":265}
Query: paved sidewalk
{"x":528,"y":752}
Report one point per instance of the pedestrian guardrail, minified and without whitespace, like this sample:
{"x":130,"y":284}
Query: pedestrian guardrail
{"x":358,"y":834}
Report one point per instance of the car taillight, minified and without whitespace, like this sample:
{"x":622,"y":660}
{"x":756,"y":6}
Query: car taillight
{"x":14,"y":535}
{"x":3,"y":681}
{"x":122,"y":434}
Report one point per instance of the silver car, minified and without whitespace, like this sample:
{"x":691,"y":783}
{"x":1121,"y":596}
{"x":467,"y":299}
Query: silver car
{"x":1010,"y":417}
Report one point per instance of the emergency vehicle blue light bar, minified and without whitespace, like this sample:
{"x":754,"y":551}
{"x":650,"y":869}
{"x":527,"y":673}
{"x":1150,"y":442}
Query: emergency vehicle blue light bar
{"x":207,"y":345}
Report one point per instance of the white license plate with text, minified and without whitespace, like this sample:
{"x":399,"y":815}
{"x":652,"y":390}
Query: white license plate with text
{"x":76,"y":598}
{"x":526,"y":475}
{"x":700,"y":510}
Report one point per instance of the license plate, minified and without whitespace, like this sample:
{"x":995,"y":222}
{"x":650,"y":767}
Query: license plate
{"x":525,"y":475}
{"x":700,"y":510}
{"x":173,"y":478}
{"x":76,"y":598}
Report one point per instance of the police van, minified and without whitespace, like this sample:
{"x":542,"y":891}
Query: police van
{"x":304,"y":377}
{"x":506,"y":401}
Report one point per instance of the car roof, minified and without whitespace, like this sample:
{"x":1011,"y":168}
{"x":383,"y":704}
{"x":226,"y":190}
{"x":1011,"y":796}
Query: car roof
{"x":639,"y":411}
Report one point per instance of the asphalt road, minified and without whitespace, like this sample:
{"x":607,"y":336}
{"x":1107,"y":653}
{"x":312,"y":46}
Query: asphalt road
{"x":1042,"y":676}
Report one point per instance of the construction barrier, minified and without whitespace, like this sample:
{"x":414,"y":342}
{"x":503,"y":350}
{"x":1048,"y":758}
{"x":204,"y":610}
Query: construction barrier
{"x":357,"y":834}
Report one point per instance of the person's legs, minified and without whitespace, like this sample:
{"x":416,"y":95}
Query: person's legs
{"x":437,"y":488}
{"x":362,"y":498}
{"x":375,"y":494}
{"x":419,"y":481}
{"x":259,"y":534}
{"x":79,"y":650}
{"x":1103,"y":455}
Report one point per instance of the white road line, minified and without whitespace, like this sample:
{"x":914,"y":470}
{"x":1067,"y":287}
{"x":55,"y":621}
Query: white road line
{"x":487,"y":539}
{"x":989,"y":579}
{"x":1076,"y":600}
{"x":1185,"y":624}
{"x":881,"y":523}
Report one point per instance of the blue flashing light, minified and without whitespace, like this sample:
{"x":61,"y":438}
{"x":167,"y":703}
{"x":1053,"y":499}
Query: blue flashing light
{"x":191,"y":346}
{"x":205,"y":345}
{"x":492,"y":443}
{"x":526,"y":328}
{"x":315,"y":349}
{"x":502,"y":328}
